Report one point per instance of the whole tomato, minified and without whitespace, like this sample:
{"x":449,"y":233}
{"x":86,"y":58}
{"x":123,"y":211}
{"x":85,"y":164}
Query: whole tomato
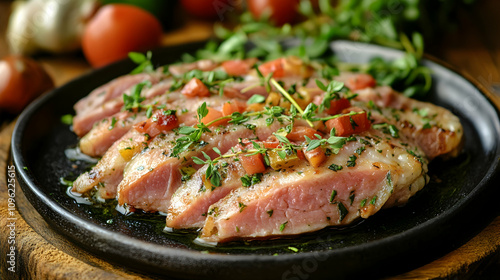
{"x":21,"y":80}
{"x":208,"y":9}
{"x":118,"y":29}
{"x":281,"y":11}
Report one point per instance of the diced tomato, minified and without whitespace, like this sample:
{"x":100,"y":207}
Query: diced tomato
{"x":213,"y":115}
{"x":298,"y":133}
{"x":315,"y":157}
{"x":349,"y":124}
{"x":238,"y":67}
{"x":336,"y":106}
{"x":360,"y":81}
{"x":274,"y":66}
{"x":253,"y":164}
{"x":233,"y":106}
{"x":271,"y":143}
{"x":195,"y":88}
{"x":160,"y":122}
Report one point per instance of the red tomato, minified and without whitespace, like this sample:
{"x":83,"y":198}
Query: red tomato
{"x":160,"y":122}
{"x":347,"y":125}
{"x":195,"y":88}
{"x":233,"y":106}
{"x":360,"y":81}
{"x":207,"y":9}
{"x":21,"y":80}
{"x":253,"y":164}
{"x":118,"y":29}
{"x":336,"y":106}
{"x":282,"y":11}
{"x":274,"y":66}
{"x":298,"y":133}
{"x":238,"y":67}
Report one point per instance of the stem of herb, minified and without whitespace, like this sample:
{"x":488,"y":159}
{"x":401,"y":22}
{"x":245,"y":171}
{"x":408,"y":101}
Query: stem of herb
{"x":290,"y":98}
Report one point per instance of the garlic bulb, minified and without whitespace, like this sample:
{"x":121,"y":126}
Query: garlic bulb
{"x":48,"y":25}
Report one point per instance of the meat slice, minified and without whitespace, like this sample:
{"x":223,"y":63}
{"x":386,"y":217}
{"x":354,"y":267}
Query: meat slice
{"x":105,"y":101}
{"x":152,"y":177}
{"x":433,"y":128}
{"x":190,"y":203}
{"x":303,"y":199}
{"x":104,"y":133}
{"x":108,"y":172}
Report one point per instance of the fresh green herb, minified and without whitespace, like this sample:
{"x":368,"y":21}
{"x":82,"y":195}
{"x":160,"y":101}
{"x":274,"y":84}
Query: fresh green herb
{"x":133,"y":101}
{"x":352,"y":161}
{"x":283,"y":225}
{"x":374,"y":200}
{"x":256,"y":98}
{"x":335,"y":167}
{"x":67,"y":119}
{"x":143,"y":61}
{"x":270,"y":212}
{"x":241,"y":206}
{"x":342,"y":211}
{"x":293,"y":249}
{"x":113,"y":122}
{"x":333,"y":195}
{"x":363,"y":203}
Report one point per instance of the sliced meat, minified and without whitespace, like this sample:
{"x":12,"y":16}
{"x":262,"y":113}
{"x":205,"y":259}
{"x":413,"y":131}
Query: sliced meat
{"x":433,"y":128}
{"x":152,"y":177}
{"x":109,"y":170}
{"x":107,"y":174}
{"x":303,"y":199}
{"x":190,"y":203}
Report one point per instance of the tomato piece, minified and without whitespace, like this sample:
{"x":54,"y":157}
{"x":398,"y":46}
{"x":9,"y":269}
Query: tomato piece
{"x":195,"y":88}
{"x":349,"y":124}
{"x":315,"y":157}
{"x":21,"y":80}
{"x":238,"y":67}
{"x":160,"y":122}
{"x":274,"y":66}
{"x":360,"y":81}
{"x":271,"y":143}
{"x":118,"y":29}
{"x":233,"y":106}
{"x":213,"y":115}
{"x":253,"y":164}
{"x":298,"y":133}
{"x":336,"y":106}
{"x":281,"y":11}
{"x":207,"y":9}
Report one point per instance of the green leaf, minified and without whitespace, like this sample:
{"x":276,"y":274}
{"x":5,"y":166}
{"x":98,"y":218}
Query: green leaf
{"x":197,"y":160}
{"x":136,"y":57}
{"x":202,"y":111}
{"x":256,"y":98}
{"x":67,"y":119}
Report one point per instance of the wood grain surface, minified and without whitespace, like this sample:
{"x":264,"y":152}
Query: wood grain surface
{"x":42,"y":253}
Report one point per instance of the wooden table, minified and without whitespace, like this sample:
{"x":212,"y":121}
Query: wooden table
{"x":41,"y":253}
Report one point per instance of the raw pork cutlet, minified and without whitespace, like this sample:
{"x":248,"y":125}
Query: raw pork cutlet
{"x":434,"y":129}
{"x":97,"y":141}
{"x":108,"y":172}
{"x":302,"y":199}
{"x":99,"y":108}
{"x":153,"y":176}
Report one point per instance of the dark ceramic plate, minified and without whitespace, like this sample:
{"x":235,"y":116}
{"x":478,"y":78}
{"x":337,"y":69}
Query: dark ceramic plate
{"x":451,"y":209}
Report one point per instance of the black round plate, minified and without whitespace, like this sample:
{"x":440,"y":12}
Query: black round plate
{"x":454,"y":206}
